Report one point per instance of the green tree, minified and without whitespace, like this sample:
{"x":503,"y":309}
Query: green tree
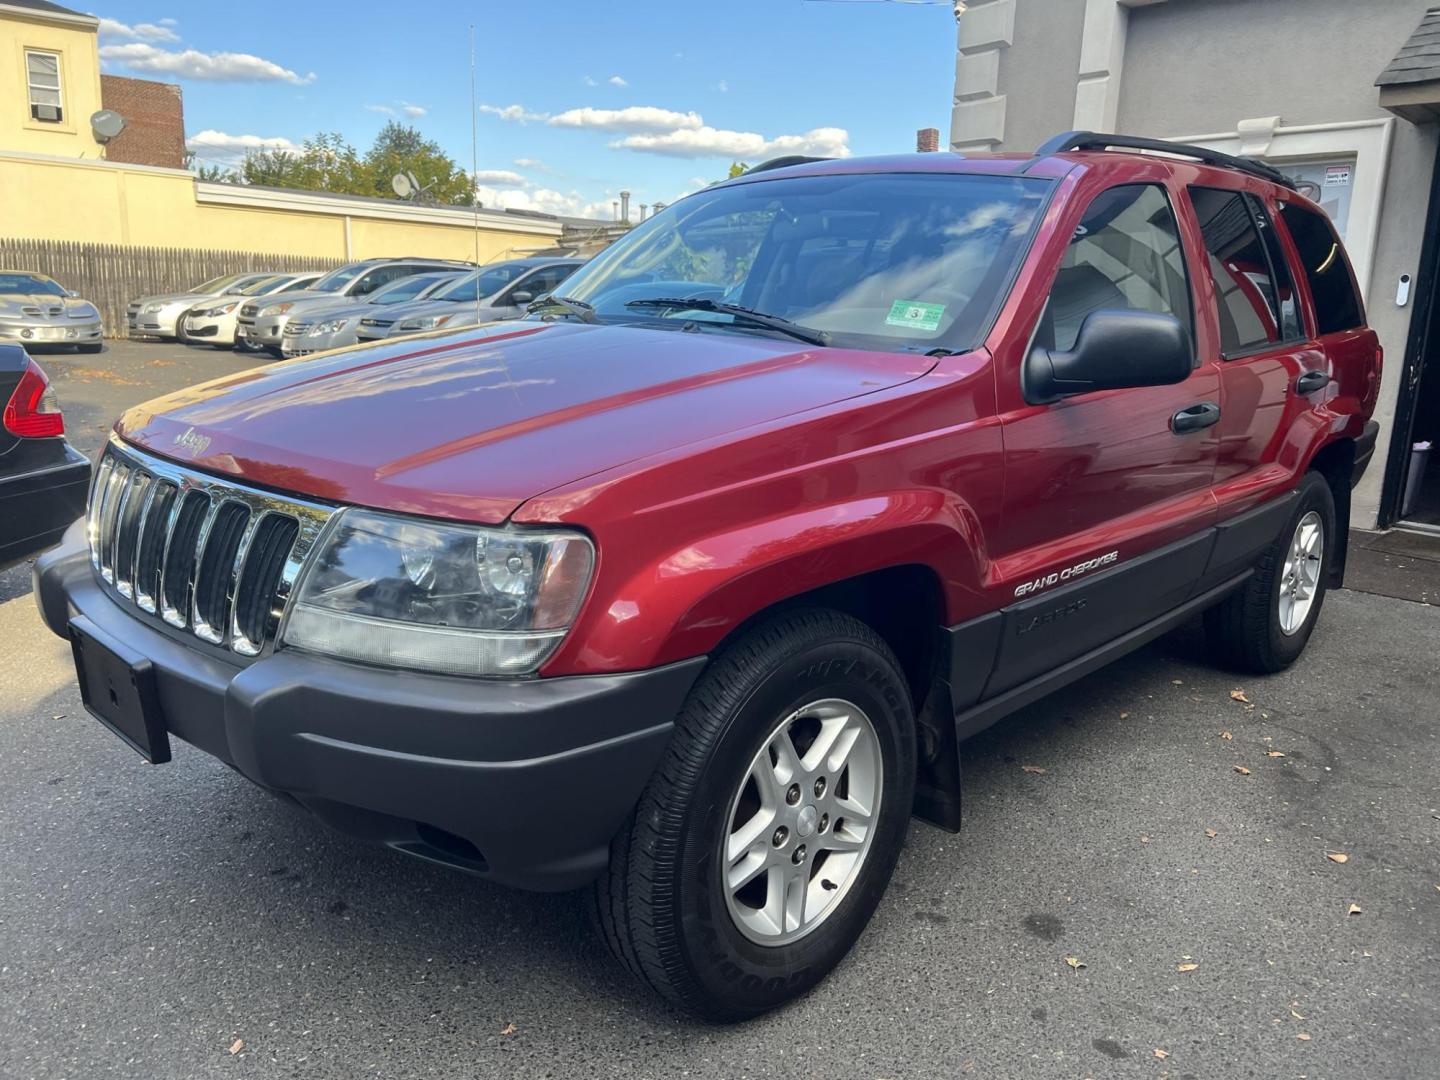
{"x":324,"y":162}
{"x":399,"y":148}
{"x":737,"y":168}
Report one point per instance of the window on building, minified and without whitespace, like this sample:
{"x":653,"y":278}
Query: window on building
{"x":42,"y":75}
{"x":1256,"y":299}
{"x":1326,"y":268}
{"x":1125,"y":254}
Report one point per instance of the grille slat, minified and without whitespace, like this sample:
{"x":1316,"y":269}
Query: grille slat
{"x":202,"y":554}
{"x":215,"y":574}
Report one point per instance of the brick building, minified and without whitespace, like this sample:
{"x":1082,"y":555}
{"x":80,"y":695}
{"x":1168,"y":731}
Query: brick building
{"x":154,"y":121}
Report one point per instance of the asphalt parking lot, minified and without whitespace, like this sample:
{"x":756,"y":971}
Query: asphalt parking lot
{"x":1123,"y":900}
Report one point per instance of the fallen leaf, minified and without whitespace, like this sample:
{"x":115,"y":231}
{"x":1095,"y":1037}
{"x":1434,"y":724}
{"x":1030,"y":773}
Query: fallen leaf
{"x":1123,"y":715}
{"x":1211,"y":833}
{"x":1161,"y":1054}
{"x":60,"y":717}
{"x":1355,"y":909}
{"x":1239,"y":695}
{"x":1273,"y":753}
{"x":1337,"y":856}
{"x":1296,"y":1015}
{"x":1241,"y":770}
{"x":1036,"y":769}
{"x":1304,"y":1036}
{"x":1178,"y":682}
{"x":1144,"y":839}
{"x":1226,"y":735}
{"x":1075,"y":962}
{"x":1186,"y":967}
{"x":237,"y":1046}
{"x":508,"y":1029}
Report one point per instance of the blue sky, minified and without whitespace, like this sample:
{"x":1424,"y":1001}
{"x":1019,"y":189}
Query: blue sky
{"x":578,"y":99}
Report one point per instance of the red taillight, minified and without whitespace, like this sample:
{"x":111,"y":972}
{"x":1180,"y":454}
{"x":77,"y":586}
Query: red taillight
{"x":32,"y":411}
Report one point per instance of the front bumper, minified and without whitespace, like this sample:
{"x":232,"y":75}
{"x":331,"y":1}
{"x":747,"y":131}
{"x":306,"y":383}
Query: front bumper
{"x":267,"y":331}
{"x":306,"y":344}
{"x":523,"y":781}
{"x":51,"y":331}
{"x":160,"y":323}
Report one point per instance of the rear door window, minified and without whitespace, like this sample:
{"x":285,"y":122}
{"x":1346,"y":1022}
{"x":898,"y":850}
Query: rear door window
{"x":1326,"y":269}
{"x":1255,"y":295}
{"x":1126,"y":255}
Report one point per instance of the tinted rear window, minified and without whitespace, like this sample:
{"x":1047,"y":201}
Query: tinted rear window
{"x":1327,"y":269}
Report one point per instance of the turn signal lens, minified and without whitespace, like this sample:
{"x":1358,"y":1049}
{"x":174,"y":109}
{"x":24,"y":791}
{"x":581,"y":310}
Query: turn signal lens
{"x":32,"y":411}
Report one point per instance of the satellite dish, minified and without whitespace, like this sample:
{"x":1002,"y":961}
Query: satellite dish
{"x":106,"y":124}
{"x":402,"y":185}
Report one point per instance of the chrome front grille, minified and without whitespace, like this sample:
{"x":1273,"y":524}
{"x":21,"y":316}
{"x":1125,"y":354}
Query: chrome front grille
{"x":249,"y":311}
{"x":379,"y":324}
{"x":200,"y":553}
{"x":295,"y":329}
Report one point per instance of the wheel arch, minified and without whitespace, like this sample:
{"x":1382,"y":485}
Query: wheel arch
{"x":1335,"y":461}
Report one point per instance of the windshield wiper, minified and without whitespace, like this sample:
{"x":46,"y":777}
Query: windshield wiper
{"x":740,"y":314}
{"x":579,"y":308}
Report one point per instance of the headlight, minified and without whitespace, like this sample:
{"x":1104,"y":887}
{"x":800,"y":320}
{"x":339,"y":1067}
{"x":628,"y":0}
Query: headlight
{"x":152,"y":307}
{"x":223,"y":309}
{"x":334,"y":326}
{"x":454,"y":599}
{"x":276,"y":309}
{"x":426,"y":322}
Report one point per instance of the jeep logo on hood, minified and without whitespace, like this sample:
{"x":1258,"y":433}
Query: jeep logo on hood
{"x":196,"y":444}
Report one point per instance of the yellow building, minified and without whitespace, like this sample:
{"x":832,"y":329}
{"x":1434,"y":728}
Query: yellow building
{"x":55,"y":184}
{"x":49,"y":79}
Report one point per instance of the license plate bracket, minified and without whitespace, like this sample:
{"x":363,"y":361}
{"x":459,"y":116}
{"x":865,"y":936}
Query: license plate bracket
{"x":117,"y":686}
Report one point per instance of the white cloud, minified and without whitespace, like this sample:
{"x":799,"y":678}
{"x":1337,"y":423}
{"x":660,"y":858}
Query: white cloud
{"x":501,"y":177}
{"x":616,"y":80}
{"x":531,"y":163}
{"x":707,"y":141}
{"x":160,"y":31}
{"x":544,"y":200}
{"x":194,"y":64}
{"x":168,"y":22}
{"x":223,"y":148}
{"x":589,"y":80}
{"x":386,"y":109}
{"x":723,"y":86}
{"x":634,"y":118}
{"x":516,"y":113}
{"x":412,"y":110}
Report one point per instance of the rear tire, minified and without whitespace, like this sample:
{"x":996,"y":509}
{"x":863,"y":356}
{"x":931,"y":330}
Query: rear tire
{"x":1264,"y":627}
{"x":666,"y":905}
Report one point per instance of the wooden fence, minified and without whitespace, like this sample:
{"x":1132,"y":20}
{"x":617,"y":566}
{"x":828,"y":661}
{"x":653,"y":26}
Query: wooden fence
{"x":111,"y":275}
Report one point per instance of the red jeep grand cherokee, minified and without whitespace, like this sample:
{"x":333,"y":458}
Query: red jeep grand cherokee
{"x":691,"y":584}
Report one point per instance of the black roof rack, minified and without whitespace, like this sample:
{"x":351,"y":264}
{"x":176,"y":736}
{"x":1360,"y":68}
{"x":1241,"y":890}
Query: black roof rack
{"x":1090,"y":140}
{"x":783,"y":163}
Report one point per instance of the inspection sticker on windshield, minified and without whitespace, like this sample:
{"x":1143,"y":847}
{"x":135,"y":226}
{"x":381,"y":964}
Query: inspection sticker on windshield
{"x":915,"y":315}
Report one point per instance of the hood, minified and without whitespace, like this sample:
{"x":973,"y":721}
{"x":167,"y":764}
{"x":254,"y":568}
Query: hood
{"x":14,"y":305}
{"x":300,"y":299}
{"x":174,"y":298}
{"x":470,"y":425}
{"x":338,"y":309}
{"x":412,"y":308}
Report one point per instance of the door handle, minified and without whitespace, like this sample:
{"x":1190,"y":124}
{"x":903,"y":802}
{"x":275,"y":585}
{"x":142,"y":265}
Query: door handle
{"x":1198,"y":416}
{"x":1311,"y":381}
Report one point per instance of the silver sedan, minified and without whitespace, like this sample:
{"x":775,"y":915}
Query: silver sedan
{"x":38,"y":310}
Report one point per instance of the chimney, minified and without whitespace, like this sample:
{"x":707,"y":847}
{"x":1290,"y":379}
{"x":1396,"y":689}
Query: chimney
{"x":625,"y":207}
{"x":927,"y":140}
{"x":615,"y":209}
{"x":642,"y":210}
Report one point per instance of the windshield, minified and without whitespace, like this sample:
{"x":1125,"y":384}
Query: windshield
{"x":406,"y":288}
{"x":478,"y":284}
{"x":243,"y":282}
{"x":336,"y":280}
{"x":261,"y":287}
{"x":36,"y":284}
{"x":219,"y":284}
{"x":903,"y":262}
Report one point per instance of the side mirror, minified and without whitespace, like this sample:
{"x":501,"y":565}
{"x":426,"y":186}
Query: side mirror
{"x":521,"y":298}
{"x":1114,"y":350}
{"x":71,"y":293}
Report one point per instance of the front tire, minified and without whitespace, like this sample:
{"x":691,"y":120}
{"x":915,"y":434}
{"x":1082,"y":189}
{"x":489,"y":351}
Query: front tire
{"x":1264,"y":627}
{"x":768,"y":834}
